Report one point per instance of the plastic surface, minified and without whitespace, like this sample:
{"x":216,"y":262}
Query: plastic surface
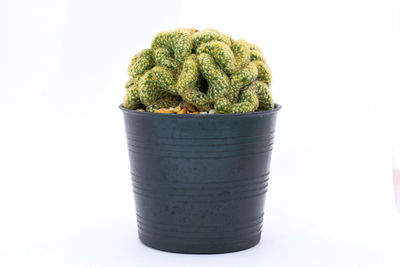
{"x":200,"y":181}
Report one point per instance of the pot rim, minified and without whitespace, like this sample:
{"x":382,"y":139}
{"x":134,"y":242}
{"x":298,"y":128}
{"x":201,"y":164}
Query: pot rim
{"x":198,"y":116}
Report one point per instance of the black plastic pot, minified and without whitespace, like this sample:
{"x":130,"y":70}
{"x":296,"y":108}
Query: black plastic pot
{"x":200,"y":180}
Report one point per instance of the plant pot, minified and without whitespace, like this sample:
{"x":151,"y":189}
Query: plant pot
{"x":200,"y":181}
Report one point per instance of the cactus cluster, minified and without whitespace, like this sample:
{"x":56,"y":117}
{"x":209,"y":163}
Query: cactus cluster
{"x":206,"y":69}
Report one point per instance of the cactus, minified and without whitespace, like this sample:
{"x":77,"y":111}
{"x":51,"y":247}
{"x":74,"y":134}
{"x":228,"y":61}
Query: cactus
{"x":206,"y":69}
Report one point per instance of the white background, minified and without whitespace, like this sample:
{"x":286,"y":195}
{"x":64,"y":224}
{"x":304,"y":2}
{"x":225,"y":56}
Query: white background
{"x":65,"y":191}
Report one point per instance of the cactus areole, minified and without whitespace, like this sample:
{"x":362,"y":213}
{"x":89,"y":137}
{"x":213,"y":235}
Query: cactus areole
{"x":186,"y":71}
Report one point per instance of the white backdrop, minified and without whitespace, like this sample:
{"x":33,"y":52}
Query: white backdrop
{"x":65,"y":191}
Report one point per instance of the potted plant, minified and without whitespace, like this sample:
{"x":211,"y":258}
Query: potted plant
{"x":200,"y":122}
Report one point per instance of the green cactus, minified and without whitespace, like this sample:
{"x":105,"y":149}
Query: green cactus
{"x":208,"y":35}
{"x":221,"y":53}
{"x":264,"y":95}
{"x":132,"y":99}
{"x":163,"y":58}
{"x":179,"y":42}
{"x":240,"y":79}
{"x":217,"y":80}
{"x":248,"y":102}
{"x":141,"y":63}
{"x":207,"y":69}
{"x":167,"y":101}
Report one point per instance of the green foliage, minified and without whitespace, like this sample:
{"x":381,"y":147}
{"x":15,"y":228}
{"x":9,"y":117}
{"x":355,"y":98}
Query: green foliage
{"x":181,"y":61}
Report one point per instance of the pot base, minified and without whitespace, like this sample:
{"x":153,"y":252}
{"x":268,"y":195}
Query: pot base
{"x":185,"y":248}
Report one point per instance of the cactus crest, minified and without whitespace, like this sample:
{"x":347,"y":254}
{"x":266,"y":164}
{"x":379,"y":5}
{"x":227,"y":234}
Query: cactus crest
{"x":204,"y":70}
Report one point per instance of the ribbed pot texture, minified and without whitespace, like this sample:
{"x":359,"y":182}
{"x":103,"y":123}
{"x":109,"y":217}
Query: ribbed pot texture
{"x":200,"y":181}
